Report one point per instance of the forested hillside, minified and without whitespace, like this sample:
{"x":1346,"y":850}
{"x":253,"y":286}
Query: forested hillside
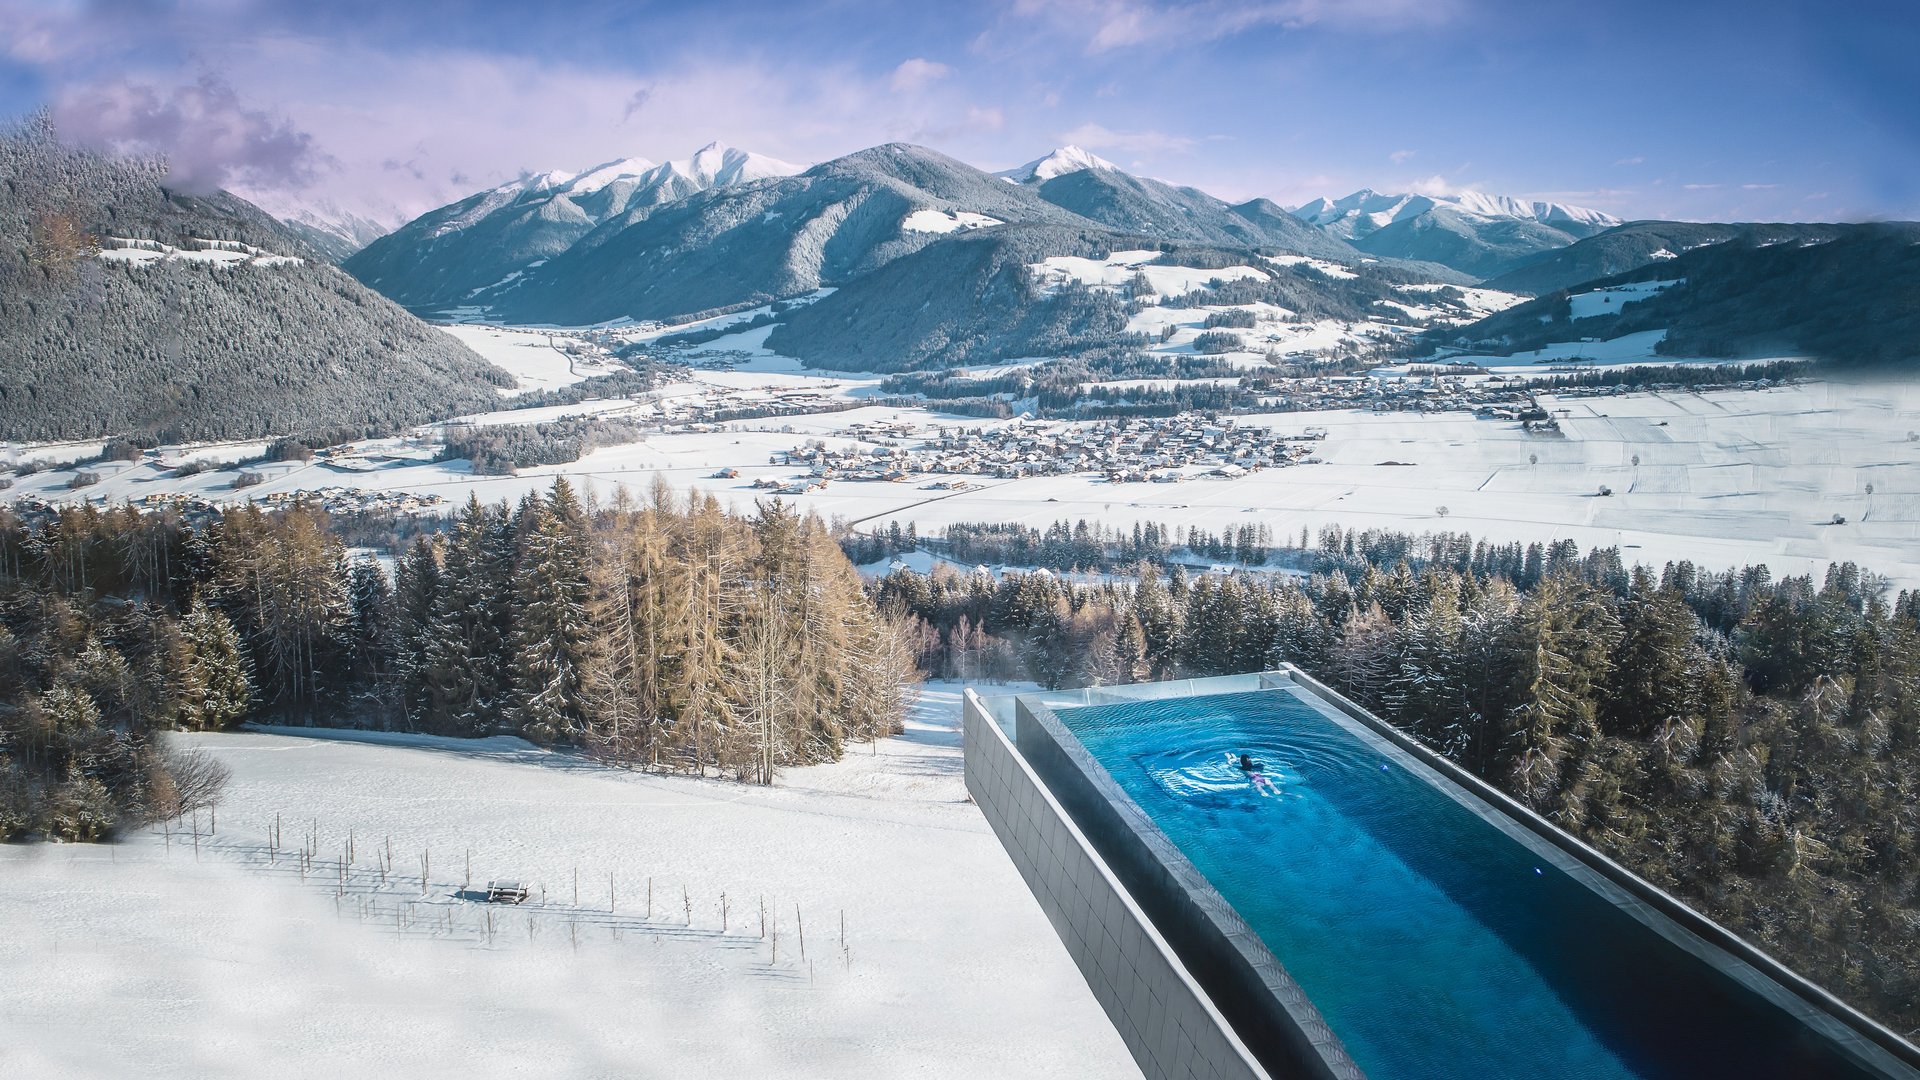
{"x":1849,"y":295}
{"x":127,"y":307}
{"x":1750,"y":744}
{"x":1629,"y":247}
{"x":669,"y":636}
{"x":975,"y":298}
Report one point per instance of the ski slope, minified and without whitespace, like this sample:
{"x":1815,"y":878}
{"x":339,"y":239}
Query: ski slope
{"x":139,"y":960}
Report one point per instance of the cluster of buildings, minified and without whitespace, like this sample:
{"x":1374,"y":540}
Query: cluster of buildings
{"x":1410,"y":393}
{"x":1129,"y":450}
{"x":334,"y":500}
{"x":1163,"y":449}
{"x":344,"y":500}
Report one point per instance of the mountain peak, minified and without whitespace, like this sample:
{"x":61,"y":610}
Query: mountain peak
{"x":1066,"y":159}
{"x":533,"y":182}
{"x":717,"y":164}
{"x":601,"y":175}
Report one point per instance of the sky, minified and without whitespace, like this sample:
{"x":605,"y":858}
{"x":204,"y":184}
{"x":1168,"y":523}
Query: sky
{"x":1691,"y":109}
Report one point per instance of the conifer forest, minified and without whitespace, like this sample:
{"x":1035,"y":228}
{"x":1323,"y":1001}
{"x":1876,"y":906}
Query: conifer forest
{"x":667,"y":636}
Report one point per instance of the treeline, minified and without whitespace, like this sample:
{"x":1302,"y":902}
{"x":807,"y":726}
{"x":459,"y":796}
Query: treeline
{"x":499,"y":449}
{"x":1749,"y":743}
{"x":1776,"y":371}
{"x":1093,"y":546}
{"x":668,"y":635}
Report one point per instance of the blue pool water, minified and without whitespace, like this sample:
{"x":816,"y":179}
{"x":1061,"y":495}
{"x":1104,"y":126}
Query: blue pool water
{"x":1434,"y":943}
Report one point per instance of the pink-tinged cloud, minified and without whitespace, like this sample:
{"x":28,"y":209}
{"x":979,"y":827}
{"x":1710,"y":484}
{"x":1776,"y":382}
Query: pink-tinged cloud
{"x":915,"y":74}
{"x":208,"y":136}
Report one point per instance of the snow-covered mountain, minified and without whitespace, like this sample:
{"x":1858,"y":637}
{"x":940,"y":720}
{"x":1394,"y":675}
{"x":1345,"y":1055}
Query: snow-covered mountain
{"x":1065,"y":160}
{"x":489,"y":240}
{"x":894,"y":257}
{"x":1099,"y":190}
{"x":333,"y":232}
{"x":1470,"y":231}
{"x":1367,"y":211}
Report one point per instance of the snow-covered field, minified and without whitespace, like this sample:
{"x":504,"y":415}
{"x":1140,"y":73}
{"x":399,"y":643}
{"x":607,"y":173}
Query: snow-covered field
{"x":1724,"y":478}
{"x":533,"y":357}
{"x":1610,"y":300}
{"x":206,"y":252}
{"x":140,"y":960}
{"x":945,"y":221}
{"x":1121,"y":267}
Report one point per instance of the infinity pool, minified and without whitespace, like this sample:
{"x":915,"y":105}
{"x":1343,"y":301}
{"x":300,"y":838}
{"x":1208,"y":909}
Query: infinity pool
{"x":1435,"y":942}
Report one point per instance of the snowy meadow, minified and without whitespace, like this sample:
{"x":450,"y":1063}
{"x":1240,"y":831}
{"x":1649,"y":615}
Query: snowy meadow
{"x":240,"y":956}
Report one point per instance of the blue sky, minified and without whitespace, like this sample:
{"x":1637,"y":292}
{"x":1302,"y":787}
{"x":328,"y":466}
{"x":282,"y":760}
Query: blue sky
{"x":1758,"y":110}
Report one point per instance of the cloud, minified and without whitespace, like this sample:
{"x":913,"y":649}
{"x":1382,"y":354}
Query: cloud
{"x":1758,"y":187}
{"x":1097,"y":137}
{"x":1700,"y":187}
{"x":635,"y":103}
{"x":1401,"y":157}
{"x":209,"y":137}
{"x":1118,"y":24}
{"x":1635,"y":160}
{"x":1433,"y":185}
{"x":917,"y":73}
{"x":985,"y":119}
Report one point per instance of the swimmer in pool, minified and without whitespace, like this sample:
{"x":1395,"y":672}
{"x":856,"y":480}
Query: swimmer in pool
{"x":1256,"y":773}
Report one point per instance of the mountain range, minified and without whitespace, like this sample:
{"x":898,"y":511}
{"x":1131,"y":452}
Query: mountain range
{"x":728,"y":229}
{"x":470,"y":252}
{"x":899,"y":257}
{"x":1478,"y":234}
{"x":853,"y":236}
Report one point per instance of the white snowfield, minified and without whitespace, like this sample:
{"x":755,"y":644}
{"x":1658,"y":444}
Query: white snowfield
{"x":1064,"y":160}
{"x":946,"y":221}
{"x":138,"y":960}
{"x":1331,"y":269}
{"x":1724,"y":479}
{"x":1608,"y":301}
{"x":1117,"y":269}
{"x":136,"y":252}
{"x":533,"y":357}
{"x":1477,"y":302}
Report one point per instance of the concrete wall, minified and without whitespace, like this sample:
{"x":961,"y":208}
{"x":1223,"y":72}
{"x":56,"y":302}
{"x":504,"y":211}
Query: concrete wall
{"x":1166,"y":1019}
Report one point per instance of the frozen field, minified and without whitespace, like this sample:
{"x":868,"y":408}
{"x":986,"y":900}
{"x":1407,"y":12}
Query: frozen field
{"x":1724,"y":478}
{"x":136,"y":959}
{"x":531,"y":356}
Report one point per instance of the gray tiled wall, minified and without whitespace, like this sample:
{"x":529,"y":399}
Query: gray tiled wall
{"x":1166,"y":1020}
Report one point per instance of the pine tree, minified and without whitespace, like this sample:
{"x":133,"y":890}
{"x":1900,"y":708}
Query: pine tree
{"x":1558,"y":652}
{"x":416,"y":593}
{"x":215,"y":689}
{"x":553,"y":636}
{"x":466,"y":649}
{"x":372,"y":638}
